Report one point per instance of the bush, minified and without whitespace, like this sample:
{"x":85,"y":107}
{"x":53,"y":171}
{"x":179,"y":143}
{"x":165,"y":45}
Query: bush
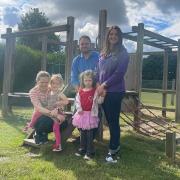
{"x":27,"y":64}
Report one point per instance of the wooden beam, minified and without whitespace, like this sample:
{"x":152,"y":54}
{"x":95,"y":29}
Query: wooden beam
{"x":177,"y":116}
{"x":158,"y":108}
{"x":102,"y":28}
{"x":7,"y":72}
{"x":173,"y":89}
{"x":158,"y":91}
{"x":139,"y":56}
{"x":69,"y":48}
{"x":43,"y":30}
{"x":165,"y":80}
{"x":150,"y":43}
{"x":159,"y":52}
{"x":156,"y":36}
{"x":51,"y":41}
{"x":76,"y":50}
{"x":101,"y":39}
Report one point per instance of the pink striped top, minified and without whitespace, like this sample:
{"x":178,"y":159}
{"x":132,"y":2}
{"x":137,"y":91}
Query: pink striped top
{"x":38,"y":98}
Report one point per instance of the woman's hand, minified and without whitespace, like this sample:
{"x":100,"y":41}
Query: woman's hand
{"x":54,"y":113}
{"x":101,"y":89}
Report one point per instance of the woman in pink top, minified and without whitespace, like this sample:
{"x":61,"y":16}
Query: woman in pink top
{"x":39,"y":98}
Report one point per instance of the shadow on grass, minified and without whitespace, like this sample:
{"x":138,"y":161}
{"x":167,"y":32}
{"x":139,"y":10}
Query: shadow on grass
{"x":141,"y":158}
{"x":18,"y":119}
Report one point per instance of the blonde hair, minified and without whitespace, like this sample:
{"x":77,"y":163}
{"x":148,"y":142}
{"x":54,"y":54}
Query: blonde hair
{"x":87,"y":73}
{"x":59,"y":78}
{"x":41,"y":74}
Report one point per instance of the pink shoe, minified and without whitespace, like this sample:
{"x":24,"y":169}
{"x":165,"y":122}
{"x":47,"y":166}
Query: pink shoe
{"x":57,"y":148}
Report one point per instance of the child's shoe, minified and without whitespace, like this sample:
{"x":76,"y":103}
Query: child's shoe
{"x":57,"y":148}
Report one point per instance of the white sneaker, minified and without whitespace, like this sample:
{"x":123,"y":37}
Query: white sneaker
{"x":110,"y":158}
{"x":86,"y":157}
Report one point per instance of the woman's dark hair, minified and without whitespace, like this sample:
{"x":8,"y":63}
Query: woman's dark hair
{"x":106,"y":49}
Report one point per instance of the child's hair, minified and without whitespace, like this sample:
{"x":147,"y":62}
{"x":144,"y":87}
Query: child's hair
{"x":59,"y":78}
{"x":41,"y":74}
{"x":87,"y":73}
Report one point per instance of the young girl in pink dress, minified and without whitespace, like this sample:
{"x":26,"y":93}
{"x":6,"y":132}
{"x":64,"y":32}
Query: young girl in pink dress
{"x":86,"y":117}
{"x":55,"y":102}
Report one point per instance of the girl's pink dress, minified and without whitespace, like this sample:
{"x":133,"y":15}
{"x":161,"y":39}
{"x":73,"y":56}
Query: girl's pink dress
{"x":86,"y":120}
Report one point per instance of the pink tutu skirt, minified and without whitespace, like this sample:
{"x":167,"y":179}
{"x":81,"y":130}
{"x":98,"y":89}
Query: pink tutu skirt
{"x":85,"y":121}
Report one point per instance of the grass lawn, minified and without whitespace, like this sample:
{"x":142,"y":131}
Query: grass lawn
{"x":156,"y":99}
{"x":141,"y":157}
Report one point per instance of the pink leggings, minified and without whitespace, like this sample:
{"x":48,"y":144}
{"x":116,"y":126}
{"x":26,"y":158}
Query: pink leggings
{"x":57,"y":133}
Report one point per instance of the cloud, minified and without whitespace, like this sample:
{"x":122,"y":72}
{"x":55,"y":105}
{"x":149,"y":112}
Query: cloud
{"x":158,"y":16}
{"x":83,"y":8}
{"x":86,"y":13}
{"x":11,"y":16}
{"x":168,"y":6}
{"x":90,"y":30}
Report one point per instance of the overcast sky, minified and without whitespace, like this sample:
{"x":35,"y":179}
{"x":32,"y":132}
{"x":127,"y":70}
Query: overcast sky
{"x":162,"y":16}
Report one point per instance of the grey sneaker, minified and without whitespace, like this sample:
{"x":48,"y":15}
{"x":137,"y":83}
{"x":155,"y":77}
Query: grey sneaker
{"x":111,"y":158}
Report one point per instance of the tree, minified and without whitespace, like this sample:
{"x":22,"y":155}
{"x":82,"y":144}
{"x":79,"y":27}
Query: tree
{"x":35,"y":19}
{"x":153,"y":67}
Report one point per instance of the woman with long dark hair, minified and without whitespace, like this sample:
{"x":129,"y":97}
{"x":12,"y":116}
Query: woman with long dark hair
{"x":112,"y":67}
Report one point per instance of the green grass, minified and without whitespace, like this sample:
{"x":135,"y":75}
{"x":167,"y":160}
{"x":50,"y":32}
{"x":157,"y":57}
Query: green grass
{"x":142,"y":157}
{"x":156,"y":99}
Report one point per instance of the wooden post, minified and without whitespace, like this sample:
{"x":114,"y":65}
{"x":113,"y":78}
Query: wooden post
{"x":170,"y":145}
{"x":13,"y":42}
{"x":101,"y":38}
{"x":69,"y":48}
{"x":102,"y":28}
{"x":172,"y":95}
{"x":139,"y":57}
{"x":136,"y":113}
{"x":44,"y":51}
{"x":75,"y":48}
{"x":7,"y":82}
{"x":177,"y":115}
{"x":164,"y":84}
{"x":139,"y":61}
